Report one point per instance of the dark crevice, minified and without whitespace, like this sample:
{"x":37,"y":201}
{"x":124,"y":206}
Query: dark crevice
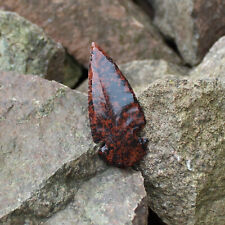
{"x":146,"y":7}
{"x":171,"y":44}
{"x":153,"y":218}
{"x":188,"y":65}
{"x":71,"y":62}
{"x":84,"y":76}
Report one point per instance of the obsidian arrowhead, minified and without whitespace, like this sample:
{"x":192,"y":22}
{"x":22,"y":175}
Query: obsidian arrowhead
{"x":116,"y":117}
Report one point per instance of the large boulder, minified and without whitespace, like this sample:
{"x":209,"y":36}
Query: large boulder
{"x":44,"y":138}
{"x":184,"y":169}
{"x":194,"y":25}
{"x":47,"y":157}
{"x":116,"y":25}
{"x":26,"y":49}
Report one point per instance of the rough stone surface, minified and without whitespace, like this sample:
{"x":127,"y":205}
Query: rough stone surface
{"x":47,"y":161}
{"x":213,"y":64}
{"x":184,"y":169}
{"x":194,"y":25}
{"x":118,"y":26}
{"x":141,"y":73}
{"x":113,"y":197}
{"x":25,"y":48}
{"x":46,"y":150}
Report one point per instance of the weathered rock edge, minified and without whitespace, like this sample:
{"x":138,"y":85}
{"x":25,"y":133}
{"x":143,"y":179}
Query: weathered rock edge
{"x":54,"y":189}
{"x":184,"y":169}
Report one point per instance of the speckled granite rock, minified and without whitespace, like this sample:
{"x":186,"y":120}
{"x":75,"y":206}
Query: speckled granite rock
{"x":194,"y":25}
{"x":46,"y":150}
{"x":119,"y":26}
{"x":184,"y":170}
{"x":26,"y":49}
{"x":113,"y":197}
{"x":213,"y":64}
{"x":141,"y":73}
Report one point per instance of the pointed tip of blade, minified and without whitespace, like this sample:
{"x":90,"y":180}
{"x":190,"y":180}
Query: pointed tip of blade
{"x":94,"y":45}
{"x":97,"y":51}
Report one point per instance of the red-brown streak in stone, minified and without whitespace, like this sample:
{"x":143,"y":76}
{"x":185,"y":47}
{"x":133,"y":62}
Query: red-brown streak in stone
{"x":115,"y":115}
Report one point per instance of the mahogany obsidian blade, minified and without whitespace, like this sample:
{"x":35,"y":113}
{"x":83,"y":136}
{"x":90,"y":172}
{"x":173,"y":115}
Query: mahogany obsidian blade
{"x":115,"y":115}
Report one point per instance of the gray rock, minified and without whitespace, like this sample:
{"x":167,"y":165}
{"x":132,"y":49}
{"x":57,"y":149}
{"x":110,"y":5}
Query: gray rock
{"x":184,"y":169}
{"x":25,"y":48}
{"x":194,"y":25}
{"x":141,"y":73}
{"x":46,"y":150}
{"x":118,"y":26}
{"x":113,"y":197}
{"x":213,"y":64}
{"x":47,"y":158}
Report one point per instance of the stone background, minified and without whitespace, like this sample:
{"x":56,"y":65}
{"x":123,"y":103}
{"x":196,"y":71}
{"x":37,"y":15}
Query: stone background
{"x":173,"y":54}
